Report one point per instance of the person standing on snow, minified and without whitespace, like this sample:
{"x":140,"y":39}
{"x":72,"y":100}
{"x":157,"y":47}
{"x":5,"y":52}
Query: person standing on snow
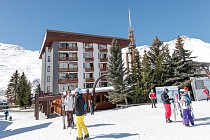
{"x":185,"y":102}
{"x":167,"y":105}
{"x":80,"y":111}
{"x":69,"y":106}
{"x":152,"y":96}
{"x":206,"y":92}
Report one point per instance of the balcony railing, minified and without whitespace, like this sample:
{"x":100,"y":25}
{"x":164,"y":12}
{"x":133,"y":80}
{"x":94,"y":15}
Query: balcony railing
{"x":90,"y":80}
{"x":103,"y":50}
{"x":103,"y":59}
{"x":66,"y":81}
{"x":67,"y":69}
{"x":103,"y":69}
{"x":68,"y":58}
{"x":89,"y":59}
{"x":103,"y":79}
{"x":89,"y":69}
{"x":88,"y":49}
{"x":68,"y":49}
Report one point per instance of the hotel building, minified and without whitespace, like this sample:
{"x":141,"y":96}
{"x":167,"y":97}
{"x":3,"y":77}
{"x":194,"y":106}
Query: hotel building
{"x":71,"y":60}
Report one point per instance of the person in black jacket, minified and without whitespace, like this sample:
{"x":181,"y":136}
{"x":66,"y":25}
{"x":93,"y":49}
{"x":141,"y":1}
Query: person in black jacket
{"x":166,"y":101}
{"x":80,"y":111}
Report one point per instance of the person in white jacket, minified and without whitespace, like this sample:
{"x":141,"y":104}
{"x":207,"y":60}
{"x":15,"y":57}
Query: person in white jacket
{"x":69,"y":108}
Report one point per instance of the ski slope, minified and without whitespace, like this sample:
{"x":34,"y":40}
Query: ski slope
{"x":134,"y":123}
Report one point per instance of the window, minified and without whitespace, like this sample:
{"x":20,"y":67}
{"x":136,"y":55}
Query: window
{"x":48,"y":88}
{"x":73,"y":75}
{"x":103,"y":55}
{"x":73,"y":65}
{"x":48,"y":68}
{"x":48,"y":78}
{"x":88,"y":45}
{"x":63,"y":45}
{"x":48,"y":60}
{"x":63,"y":65}
{"x":89,"y":85}
{"x":103,"y":84}
{"x":89,"y":75}
{"x":88,"y":55}
{"x":98,"y":99}
{"x":73,"y":86}
{"x":103,"y":65}
{"x":101,"y":46}
{"x":104,"y":98}
{"x":63,"y":76}
{"x":73,"y":55}
{"x":88,"y":65}
{"x":49,"y":49}
{"x":73,"y":45}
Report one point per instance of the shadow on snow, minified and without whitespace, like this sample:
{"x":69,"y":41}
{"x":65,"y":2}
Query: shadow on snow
{"x":6,"y":133}
{"x":114,"y":135}
{"x":97,"y":125}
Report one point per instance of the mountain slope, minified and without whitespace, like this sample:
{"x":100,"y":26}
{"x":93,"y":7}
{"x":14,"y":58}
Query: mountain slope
{"x":198,"y":47}
{"x":14,"y":57}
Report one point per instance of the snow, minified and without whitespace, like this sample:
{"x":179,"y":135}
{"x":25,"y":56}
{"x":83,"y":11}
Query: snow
{"x":133,"y":123}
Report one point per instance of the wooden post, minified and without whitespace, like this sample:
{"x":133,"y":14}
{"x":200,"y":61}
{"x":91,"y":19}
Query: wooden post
{"x":36,"y":112}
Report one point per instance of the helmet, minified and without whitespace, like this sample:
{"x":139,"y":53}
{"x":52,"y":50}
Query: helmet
{"x":78,"y":91}
{"x":166,"y":90}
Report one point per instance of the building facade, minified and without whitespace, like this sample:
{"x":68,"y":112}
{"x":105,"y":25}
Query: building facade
{"x":71,"y":60}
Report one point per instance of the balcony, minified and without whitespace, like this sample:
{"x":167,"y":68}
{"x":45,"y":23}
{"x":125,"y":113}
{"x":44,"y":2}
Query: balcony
{"x":89,"y":59}
{"x":88,"y":49}
{"x":103,"y":59}
{"x":90,"y":80}
{"x":103,"y":50}
{"x":68,"y":58}
{"x":91,"y":69}
{"x":103,"y":79}
{"x":104,"y":69}
{"x":67,"y":81}
{"x":67,"y":69}
{"x":68,"y":49}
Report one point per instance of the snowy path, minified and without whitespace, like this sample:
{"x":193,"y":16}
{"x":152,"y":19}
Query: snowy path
{"x":134,"y":123}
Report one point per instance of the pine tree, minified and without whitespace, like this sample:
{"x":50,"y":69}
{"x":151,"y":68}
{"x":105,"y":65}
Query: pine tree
{"x":183,"y":64}
{"x":38,"y":89}
{"x":11,"y":92}
{"x":117,"y":73}
{"x":135,"y":81}
{"x":167,"y":66}
{"x":23,"y":91}
{"x":146,"y":77}
{"x":156,"y":59}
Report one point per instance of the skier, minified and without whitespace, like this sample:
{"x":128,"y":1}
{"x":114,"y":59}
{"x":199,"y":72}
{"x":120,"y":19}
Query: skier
{"x":79,"y":110}
{"x":152,"y":96}
{"x":167,"y":105}
{"x":185,"y":102}
{"x":206,"y":91}
{"x":6,"y":113}
{"x":69,"y":106}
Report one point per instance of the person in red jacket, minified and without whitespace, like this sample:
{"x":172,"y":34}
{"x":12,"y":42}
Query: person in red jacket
{"x":152,"y":96}
{"x":206,"y":91}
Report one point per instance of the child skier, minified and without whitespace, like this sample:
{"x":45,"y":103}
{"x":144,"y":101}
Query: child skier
{"x":185,"y":102}
{"x":6,"y":113}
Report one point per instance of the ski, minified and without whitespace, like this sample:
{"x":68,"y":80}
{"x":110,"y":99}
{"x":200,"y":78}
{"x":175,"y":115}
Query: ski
{"x":174,"y":105}
{"x":63,"y":111}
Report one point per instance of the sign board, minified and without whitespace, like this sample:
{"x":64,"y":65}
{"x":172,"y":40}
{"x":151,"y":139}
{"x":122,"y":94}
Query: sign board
{"x":159,"y":91}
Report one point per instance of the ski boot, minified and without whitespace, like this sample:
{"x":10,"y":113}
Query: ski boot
{"x":79,"y":138}
{"x":187,"y":125}
{"x":168,"y":120}
{"x":86,"y":136}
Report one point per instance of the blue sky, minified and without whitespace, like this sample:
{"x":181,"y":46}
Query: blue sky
{"x":24,"y":22}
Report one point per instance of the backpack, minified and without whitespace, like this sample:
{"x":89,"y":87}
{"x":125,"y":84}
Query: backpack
{"x":188,"y":99}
